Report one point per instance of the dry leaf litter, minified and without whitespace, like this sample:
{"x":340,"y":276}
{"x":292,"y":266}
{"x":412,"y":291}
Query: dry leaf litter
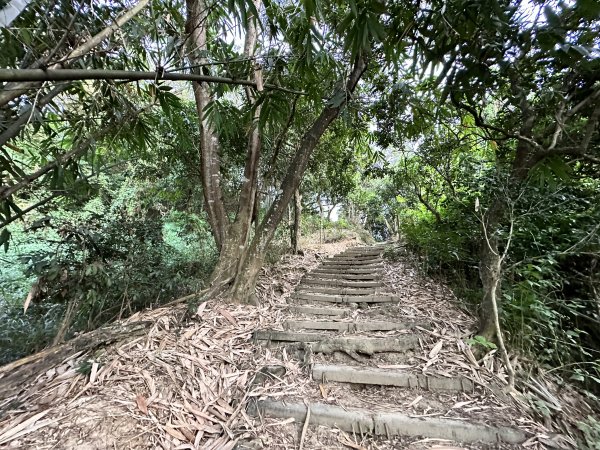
{"x":185,"y":383}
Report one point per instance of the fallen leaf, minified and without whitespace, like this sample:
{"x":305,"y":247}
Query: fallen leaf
{"x":176,"y":434}
{"x":140,"y":400}
{"x":445,"y":447}
{"x":323,"y":390}
{"x":415,"y":401}
{"x":350,"y":444}
{"x":228,"y":316}
{"x":461,"y":404}
{"x":436,"y":349}
{"x":201,"y":308}
{"x":35,"y":289}
{"x":94,"y":372}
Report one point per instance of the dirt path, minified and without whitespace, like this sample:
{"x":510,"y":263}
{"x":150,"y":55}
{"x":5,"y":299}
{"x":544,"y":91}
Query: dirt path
{"x":346,"y":352}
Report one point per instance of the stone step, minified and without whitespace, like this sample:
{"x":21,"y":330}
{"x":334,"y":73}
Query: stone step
{"x":344,"y":275}
{"x":344,"y":298}
{"x":334,"y":270}
{"x":316,"y":311}
{"x":335,"y":290}
{"x":364,"y":249}
{"x":386,"y":423}
{"x":288,"y":336}
{"x":348,"y":327}
{"x":373,"y":254}
{"x":358,"y":259}
{"x":327,"y":343}
{"x":314,"y":281}
{"x":364,"y":375}
{"x":357,"y":264}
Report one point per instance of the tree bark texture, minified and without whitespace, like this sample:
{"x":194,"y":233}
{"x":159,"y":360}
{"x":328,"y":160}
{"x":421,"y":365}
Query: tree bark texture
{"x":196,"y":23}
{"x":296,"y":225}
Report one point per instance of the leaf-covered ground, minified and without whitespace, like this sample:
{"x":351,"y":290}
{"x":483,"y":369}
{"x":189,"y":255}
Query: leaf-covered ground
{"x":185,"y":383}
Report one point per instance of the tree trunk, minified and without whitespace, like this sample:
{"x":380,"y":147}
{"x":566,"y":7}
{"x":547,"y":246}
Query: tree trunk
{"x":251,"y":257}
{"x":234,"y":236}
{"x":490,"y":272}
{"x":330,"y":211}
{"x":296,"y":225}
{"x":197,"y":17}
{"x":490,"y":267}
{"x":320,"y":203}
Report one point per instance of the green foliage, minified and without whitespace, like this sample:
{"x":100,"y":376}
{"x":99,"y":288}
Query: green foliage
{"x":591,"y":433}
{"x":483,"y":342}
{"x":115,"y":254}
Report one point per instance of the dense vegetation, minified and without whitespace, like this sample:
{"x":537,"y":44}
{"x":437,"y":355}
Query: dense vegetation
{"x":469,"y":128}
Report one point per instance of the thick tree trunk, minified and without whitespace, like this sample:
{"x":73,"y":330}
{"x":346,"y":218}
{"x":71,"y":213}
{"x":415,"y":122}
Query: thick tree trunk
{"x":234,"y":237}
{"x":491,"y":260}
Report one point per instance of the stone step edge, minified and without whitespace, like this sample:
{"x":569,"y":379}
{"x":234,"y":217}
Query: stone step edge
{"x":344,"y":298}
{"x":320,"y":311}
{"x":384,"y":377}
{"x":335,"y":290}
{"x":386,"y":424}
{"x":345,"y":276}
{"x":402,"y":342}
{"x":334,"y":270}
{"x":350,"y":266}
{"x":350,"y":327}
{"x":358,"y":263}
{"x":312,"y":281}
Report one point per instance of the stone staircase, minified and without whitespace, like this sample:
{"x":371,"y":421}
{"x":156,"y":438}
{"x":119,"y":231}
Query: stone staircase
{"x":358,"y":364}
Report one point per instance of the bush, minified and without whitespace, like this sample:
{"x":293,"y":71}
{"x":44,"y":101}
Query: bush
{"x":106,"y":258}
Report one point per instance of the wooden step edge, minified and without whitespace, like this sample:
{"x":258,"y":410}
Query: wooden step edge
{"x":383,"y":377}
{"x":385,"y":423}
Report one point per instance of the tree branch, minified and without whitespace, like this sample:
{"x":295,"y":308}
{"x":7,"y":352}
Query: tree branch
{"x":19,"y":123}
{"x":99,"y":74}
{"x":14,"y":90}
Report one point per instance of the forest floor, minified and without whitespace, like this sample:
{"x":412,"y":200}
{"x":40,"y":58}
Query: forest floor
{"x":213,"y":378}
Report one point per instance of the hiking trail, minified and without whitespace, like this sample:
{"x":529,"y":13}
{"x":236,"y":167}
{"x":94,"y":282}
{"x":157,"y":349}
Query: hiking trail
{"x":347,"y":350}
